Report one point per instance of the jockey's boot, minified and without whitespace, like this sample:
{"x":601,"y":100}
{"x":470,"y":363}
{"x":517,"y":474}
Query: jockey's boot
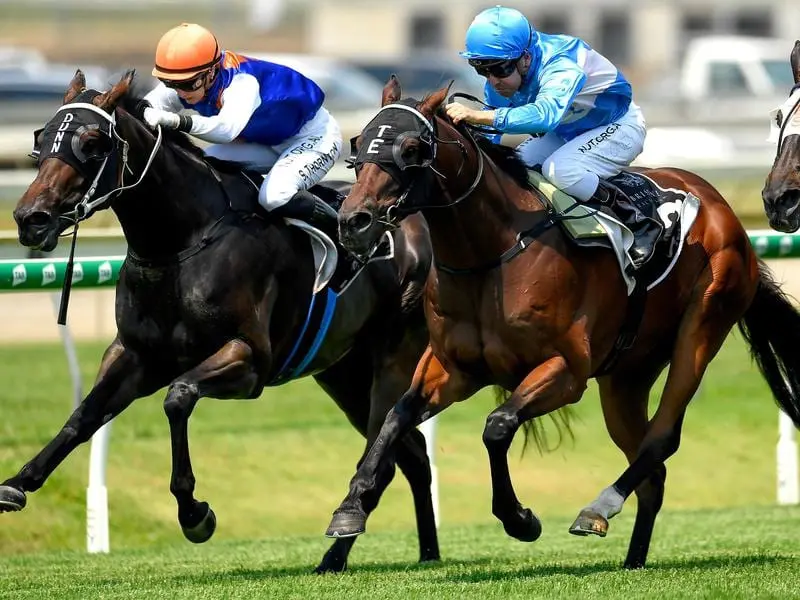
{"x":309,"y":207}
{"x":645,"y":224}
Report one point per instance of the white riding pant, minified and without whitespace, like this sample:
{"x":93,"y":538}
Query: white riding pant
{"x":293,"y":165}
{"x":575,"y":166}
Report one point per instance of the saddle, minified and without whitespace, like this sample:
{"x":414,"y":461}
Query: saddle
{"x":590,"y":224}
{"x":335,"y":267}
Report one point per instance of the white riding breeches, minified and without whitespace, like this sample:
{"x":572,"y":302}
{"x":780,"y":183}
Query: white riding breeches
{"x":575,"y":166}
{"x":293,"y":165}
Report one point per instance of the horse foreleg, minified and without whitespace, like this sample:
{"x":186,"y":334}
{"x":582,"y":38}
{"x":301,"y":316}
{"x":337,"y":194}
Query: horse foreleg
{"x":432,"y":390}
{"x":366,"y":396}
{"x":121,"y":379}
{"x":229,"y":373}
{"x":548,"y":387}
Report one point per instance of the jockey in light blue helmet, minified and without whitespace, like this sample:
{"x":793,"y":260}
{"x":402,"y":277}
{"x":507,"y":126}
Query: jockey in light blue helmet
{"x":574,"y":103}
{"x":499,"y":33}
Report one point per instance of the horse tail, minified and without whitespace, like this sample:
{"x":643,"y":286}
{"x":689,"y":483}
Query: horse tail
{"x":771,"y":327}
{"x":535,"y":430}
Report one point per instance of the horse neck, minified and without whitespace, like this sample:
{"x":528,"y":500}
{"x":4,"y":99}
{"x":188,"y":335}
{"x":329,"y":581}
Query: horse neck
{"x":165,"y":212}
{"x":480,"y":227}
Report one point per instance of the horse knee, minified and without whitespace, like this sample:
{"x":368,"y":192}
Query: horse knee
{"x":181,"y":397}
{"x":499,"y":430}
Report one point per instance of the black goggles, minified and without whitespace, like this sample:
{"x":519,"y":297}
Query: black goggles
{"x":499,"y":69}
{"x":187,"y":85}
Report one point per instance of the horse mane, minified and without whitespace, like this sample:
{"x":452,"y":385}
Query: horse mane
{"x":508,"y":159}
{"x":505,"y":157}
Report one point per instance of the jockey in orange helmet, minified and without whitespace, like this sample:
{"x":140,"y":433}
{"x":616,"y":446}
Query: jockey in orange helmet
{"x":272,"y":113}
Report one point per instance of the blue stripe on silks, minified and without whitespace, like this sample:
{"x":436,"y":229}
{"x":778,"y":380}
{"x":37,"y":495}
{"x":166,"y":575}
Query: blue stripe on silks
{"x":327,"y":317}
{"x":300,"y":337}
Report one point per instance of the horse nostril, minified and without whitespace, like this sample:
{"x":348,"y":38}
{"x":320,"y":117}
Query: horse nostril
{"x":359,"y":221}
{"x":35,"y":219}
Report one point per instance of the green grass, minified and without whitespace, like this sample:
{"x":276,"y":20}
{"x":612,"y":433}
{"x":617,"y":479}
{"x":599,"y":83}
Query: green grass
{"x":730,"y":553}
{"x":275,"y":468}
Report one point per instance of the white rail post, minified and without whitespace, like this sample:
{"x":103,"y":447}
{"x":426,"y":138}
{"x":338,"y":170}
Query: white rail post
{"x":788,"y":484}
{"x":97,"y":538}
{"x":428,"y":429}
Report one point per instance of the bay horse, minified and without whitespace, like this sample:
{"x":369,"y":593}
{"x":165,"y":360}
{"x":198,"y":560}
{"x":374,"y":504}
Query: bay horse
{"x":781,"y":193}
{"x":211,"y":301}
{"x":539,"y":317}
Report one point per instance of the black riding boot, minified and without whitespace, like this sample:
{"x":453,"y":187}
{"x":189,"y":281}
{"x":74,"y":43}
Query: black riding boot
{"x":646,"y":228}
{"x":308,"y":207}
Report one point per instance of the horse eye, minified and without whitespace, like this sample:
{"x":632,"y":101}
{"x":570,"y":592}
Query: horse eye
{"x":779,"y":118}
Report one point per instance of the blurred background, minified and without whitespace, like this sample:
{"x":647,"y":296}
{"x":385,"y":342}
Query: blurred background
{"x":706,"y":72}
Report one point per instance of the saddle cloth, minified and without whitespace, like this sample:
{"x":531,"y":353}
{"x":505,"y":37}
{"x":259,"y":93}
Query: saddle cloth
{"x":329,"y":270}
{"x":587,"y":225}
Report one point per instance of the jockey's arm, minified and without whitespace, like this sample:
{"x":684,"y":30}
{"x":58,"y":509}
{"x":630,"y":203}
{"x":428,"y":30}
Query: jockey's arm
{"x":560,"y":83}
{"x":239,"y":101}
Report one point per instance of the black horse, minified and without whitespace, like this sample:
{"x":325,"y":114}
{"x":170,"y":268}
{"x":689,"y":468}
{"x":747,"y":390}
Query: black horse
{"x":212,"y":301}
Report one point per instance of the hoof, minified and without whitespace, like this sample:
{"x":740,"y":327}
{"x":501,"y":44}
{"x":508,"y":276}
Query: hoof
{"x":11,"y":499}
{"x":347,"y":523}
{"x":589,"y":522}
{"x":525,"y":526}
{"x":429,"y":556}
{"x":202,"y":532}
{"x":331,"y":564}
{"x":324,"y":568}
{"x":335,"y":559}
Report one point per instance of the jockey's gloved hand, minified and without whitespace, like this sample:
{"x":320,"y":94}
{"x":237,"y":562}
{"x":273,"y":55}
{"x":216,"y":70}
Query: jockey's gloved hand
{"x":155,"y":117}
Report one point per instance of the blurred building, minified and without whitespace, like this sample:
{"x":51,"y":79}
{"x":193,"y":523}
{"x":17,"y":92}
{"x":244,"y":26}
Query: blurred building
{"x":645,"y":36}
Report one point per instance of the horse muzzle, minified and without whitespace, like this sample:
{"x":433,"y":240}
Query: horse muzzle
{"x":37,"y":229}
{"x":359,"y":231}
{"x":783,"y":209}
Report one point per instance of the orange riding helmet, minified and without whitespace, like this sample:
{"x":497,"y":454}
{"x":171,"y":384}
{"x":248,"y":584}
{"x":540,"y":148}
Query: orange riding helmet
{"x":185,"y":51}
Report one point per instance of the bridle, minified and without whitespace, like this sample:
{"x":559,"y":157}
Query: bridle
{"x":428,"y":136}
{"x":786,"y":119}
{"x":119,"y":147}
{"x":88,"y":203}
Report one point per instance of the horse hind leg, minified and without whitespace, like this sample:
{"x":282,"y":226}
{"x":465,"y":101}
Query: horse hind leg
{"x":718,"y":301}
{"x":624,"y":400}
{"x":229,"y":373}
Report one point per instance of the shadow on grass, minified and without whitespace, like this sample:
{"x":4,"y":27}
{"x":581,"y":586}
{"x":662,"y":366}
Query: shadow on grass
{"x":708,"y":563}
{"x":246,"y":574}
{"x":482,"y":570}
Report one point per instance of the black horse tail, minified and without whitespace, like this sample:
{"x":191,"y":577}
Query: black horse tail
{"x":771,"y":327}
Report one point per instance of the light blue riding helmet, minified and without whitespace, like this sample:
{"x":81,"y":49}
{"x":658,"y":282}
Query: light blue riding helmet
{"x":498,"y":32}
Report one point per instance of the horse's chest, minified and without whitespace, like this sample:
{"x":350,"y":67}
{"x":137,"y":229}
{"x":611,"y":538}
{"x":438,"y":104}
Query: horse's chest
{"x":167,"y":320}
{"x":494,"y":339}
